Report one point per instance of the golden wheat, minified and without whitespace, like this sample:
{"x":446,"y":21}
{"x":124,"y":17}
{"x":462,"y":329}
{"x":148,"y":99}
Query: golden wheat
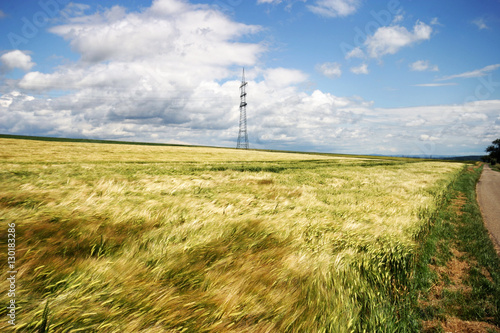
{"x":182,"y":239}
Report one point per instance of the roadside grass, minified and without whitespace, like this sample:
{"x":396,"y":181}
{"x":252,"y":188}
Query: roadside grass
{"x":459,"y":270}
{"x":187,"y":239}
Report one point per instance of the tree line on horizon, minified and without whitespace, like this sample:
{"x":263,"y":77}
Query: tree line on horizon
{"x":494,"y":153}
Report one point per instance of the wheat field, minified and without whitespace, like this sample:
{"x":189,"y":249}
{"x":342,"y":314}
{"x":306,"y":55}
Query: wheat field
{"x":129,"y":238}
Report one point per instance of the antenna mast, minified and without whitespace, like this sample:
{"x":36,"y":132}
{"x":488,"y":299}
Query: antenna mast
{"x":242,"y":134}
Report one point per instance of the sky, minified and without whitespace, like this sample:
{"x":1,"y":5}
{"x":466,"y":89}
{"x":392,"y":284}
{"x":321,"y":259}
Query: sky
{"x":392,"y":77}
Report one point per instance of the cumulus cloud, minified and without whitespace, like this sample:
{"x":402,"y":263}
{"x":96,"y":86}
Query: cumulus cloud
{"x":175,"y":75}
{"x":355,"y":53}
{"x":423,"y":65}
{"x":334,"y":8}
{"x":445,"y":126}
{"x":282,"y":77}
{"x":169,"y":72}
{"x":157,"y":56}
{"x":170,"y":68}
{"x":16,"y":59}
{"x":389,"y":40}
{"x":173,"y":29}
{"x":329,"y":69}
{"x":361,"y":69}
{"x":280,"y":118}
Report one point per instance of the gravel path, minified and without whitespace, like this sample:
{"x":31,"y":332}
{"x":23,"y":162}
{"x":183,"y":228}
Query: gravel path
{"x":488,"y":197}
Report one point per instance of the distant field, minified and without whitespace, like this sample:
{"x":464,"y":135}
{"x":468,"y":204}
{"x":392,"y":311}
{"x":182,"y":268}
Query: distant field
{"x":129,"y":238}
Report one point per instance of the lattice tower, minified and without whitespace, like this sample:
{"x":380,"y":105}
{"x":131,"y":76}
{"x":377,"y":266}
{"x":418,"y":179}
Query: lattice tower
{"x":243,"y":134}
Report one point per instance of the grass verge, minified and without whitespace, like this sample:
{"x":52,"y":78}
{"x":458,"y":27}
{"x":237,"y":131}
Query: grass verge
{"x":458,"y":274}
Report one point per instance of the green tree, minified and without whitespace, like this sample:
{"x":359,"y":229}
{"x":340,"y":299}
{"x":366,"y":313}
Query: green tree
{"x":494,"y":152}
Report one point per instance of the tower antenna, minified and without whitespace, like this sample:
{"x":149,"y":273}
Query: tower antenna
{"x":243,"y":134}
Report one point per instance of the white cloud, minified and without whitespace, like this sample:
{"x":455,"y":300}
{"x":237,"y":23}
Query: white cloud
{"x":281,"y":118}
{"x":166,"y":73}
{"x":389,"y":40}
{"x":355,"y":53}
{"x":361,"y":69}
{"x":398,"y":18}
{"x":416,"y":122}
{"x":480,"y":23}
{"x":329,"y":69}
{"x":434,"y":84}
{"x":475,"y":116}
{"x":448,"y":127}
{"x":172,"y":29}
{"x":334,"y":8}
{"x":282,"y":77}
{"x":423,"y":65}
{"x":150,"y":72}
{"x":288,"y":7}
{"x":472,"y":74}
{"x":7,"y":99}
{"x":172,"y":42}
{"x":16,"y":59}
{"x":425,"y":137}
{"x":183,"y":86}
{"x":169,"y":7}
{"x":435,"y":21}
{"x":277,"y":118}
{"x":75,"y":10}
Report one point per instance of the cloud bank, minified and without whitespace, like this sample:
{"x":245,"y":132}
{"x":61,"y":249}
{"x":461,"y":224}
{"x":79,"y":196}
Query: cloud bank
{"x":171,"y":73}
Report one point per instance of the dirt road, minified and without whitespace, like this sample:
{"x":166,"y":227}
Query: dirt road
{"x":488,"y":196}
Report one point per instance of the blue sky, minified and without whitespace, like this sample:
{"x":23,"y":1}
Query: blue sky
{"x":346,"y":76}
